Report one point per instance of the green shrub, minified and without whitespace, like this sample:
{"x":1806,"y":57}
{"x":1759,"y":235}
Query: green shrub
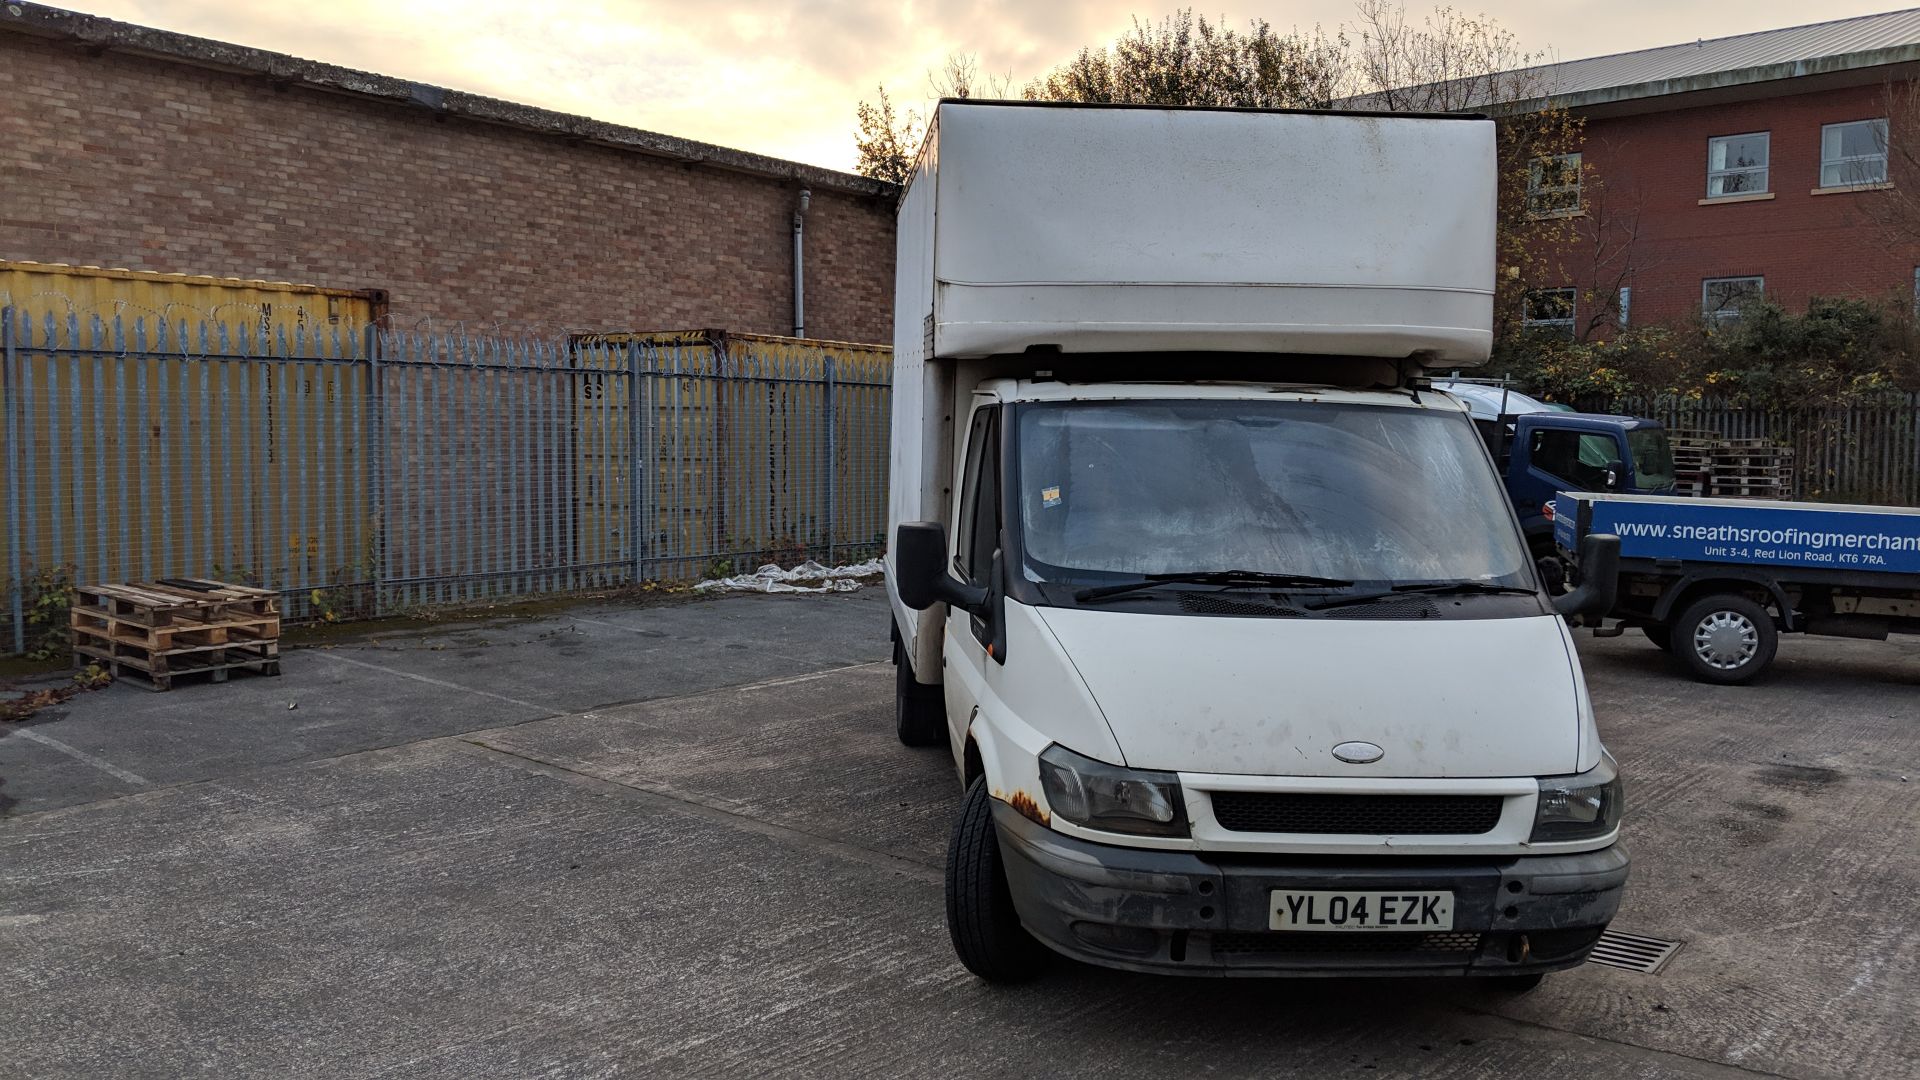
{"x":1835,"y":352}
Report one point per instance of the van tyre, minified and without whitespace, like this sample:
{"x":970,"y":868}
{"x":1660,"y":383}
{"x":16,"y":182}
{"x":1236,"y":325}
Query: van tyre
{"x":919,"y":712}
{"x":1725,"y":639}
{"x":985,"y":928}
{"x":1660,"y":634}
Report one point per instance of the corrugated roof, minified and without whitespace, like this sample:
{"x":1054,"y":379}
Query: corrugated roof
{"x":1865,"y":41}
{"x":1793,"y":44}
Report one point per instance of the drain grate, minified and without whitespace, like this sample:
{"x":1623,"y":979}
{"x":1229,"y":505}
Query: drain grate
{"x":1632,"y":952}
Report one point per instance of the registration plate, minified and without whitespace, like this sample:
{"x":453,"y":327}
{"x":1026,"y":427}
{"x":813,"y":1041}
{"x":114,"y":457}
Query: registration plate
{"x":1322,"y":911}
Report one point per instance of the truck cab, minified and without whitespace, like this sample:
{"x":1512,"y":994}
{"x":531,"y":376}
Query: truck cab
{"x":1200,"y":585}
{"x":1543,"y":449}
{"x":1546,"y":453}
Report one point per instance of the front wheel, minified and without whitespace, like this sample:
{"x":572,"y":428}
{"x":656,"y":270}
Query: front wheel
{"x":1660,"y":634}
{"x":1725,"y":639}
{"x":985,"y":928}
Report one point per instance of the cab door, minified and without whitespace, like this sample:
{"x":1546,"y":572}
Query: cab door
{"x":1549,"y":458}
{"x":976,"y":539}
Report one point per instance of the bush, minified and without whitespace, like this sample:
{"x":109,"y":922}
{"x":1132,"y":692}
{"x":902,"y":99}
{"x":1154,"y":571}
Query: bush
{"x":1837,"y":351}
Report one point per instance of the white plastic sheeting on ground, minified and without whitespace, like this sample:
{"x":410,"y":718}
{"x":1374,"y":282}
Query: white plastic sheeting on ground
{"x":809,"y":576}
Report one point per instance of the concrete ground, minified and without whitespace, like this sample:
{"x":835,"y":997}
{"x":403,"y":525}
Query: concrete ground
{"x":683,"y":841}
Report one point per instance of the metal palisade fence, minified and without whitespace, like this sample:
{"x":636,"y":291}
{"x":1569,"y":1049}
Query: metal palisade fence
{"x":362,"y":470}
{"x":1867,"y":452}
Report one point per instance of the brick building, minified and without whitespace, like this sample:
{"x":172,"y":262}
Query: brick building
{"x":1719,"y":169}
{"x":126,"y":146}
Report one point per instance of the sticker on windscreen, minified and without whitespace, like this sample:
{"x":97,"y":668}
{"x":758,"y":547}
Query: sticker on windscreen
{"x":1050,"y":496}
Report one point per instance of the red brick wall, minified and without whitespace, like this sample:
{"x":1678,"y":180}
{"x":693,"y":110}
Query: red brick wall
{"x":117,"y":160}
{"x":1655,"y":165}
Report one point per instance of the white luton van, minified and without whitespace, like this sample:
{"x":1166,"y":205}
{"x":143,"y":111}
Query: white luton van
{"x":1220,"y":608}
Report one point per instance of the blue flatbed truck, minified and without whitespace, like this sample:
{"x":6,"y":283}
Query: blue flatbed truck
{"x":1542,"y":450}
{"x":1716,"y":581}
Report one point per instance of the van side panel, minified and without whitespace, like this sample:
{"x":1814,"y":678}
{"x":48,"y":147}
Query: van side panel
{"x":922,"y":389}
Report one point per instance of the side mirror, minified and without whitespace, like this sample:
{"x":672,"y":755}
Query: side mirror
{"x":1616,"y":475}
{"x":920,"y":560}
{"x":1599,"y":578}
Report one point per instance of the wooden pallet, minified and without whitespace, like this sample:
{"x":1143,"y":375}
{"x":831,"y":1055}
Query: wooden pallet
{"x":178,"y":600}
{"x":1723,"y":489}
{"x":159,"y":670}
{"x":92,"y":623}
{"x":1690,"y":486}
{"x":162,"y":630}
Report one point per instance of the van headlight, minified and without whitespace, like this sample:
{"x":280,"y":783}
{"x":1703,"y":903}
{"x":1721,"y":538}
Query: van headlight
{"x":1102,"y":796}
{"x":1579,"y":807}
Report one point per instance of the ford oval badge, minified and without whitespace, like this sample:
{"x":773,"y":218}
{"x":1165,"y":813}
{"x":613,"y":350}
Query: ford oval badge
{"x":1358,"y":753}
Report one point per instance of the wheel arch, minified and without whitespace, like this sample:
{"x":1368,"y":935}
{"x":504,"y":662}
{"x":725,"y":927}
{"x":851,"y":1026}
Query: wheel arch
{"x":1760,"y":588}
{"x":971,"y":765}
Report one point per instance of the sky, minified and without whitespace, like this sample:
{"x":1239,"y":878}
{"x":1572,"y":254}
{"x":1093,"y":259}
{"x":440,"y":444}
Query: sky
{"x":783,"y":78}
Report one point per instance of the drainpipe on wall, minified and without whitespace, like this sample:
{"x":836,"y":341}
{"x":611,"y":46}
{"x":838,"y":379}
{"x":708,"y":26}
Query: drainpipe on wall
{"x":799,"y":265}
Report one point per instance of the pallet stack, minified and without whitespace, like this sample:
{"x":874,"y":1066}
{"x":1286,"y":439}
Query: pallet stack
{"x":1693,"y":461}
{"x":1752,"y":469}
{"x":162,"y":630}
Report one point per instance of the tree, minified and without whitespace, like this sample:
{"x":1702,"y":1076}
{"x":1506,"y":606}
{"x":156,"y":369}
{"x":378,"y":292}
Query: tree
{"x":1894,"y":209}
{"x":960,"y":77}
{"x":887,"y":141}
{"x":1609,"y":240}
{"x":1453,"y":62}
{"x":1182,"y":60}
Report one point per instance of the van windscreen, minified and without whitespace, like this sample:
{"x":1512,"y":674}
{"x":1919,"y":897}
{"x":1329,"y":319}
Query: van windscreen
{"x":1370,"y":494}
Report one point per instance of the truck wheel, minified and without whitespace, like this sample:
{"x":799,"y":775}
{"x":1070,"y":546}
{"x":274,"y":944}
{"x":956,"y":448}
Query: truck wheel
{"x":1725,"y":639}
{"x":985,"y":928}
{"x":1660,"y":634}
{"x":919,"y":712}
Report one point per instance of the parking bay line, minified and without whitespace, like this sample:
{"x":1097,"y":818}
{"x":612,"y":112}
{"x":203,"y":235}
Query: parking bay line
{"x":78,"y":754}
{"x":693,"y":805}
{"x":552,"y":712}
{"x":547,"y":710}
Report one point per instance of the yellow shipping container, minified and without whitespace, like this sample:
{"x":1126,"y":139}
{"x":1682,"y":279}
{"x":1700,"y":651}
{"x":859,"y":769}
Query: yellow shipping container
{"x":738,"y":463}
{"x":59,"y":289}
{"x":182,"y":425}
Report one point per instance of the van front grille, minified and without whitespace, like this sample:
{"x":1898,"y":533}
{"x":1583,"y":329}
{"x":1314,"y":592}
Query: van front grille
{"x":1456,"y":947}
{"x":1365,"y":815}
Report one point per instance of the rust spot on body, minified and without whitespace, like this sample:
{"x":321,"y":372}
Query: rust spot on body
{"x":1027,"y":808}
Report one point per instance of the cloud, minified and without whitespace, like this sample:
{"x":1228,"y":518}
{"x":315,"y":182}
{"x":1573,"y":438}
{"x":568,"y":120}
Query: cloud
{"x":782,"y":77}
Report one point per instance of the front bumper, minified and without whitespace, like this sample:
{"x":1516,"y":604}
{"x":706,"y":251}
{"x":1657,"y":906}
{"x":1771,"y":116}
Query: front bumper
{"x":1205,"y":913}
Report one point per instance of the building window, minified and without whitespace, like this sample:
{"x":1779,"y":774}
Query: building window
{"x":1737,"y":165}
{"x":1553,"y":186}
{"x":1625,"y":305}
{"x":1853,"y":153}
{"x":1548,"y":312}
{"x":1723,"y":299}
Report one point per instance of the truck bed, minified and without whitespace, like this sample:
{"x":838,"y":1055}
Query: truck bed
{"x":1813,"y":536}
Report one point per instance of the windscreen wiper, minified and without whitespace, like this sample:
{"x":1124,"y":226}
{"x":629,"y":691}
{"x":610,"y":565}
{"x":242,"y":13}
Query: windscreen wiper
{"x":1252,"y":579}
{"x":1428,"y":588}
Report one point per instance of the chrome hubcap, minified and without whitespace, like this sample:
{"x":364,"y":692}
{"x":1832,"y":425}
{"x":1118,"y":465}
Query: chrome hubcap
{"x":1726,"y":640}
